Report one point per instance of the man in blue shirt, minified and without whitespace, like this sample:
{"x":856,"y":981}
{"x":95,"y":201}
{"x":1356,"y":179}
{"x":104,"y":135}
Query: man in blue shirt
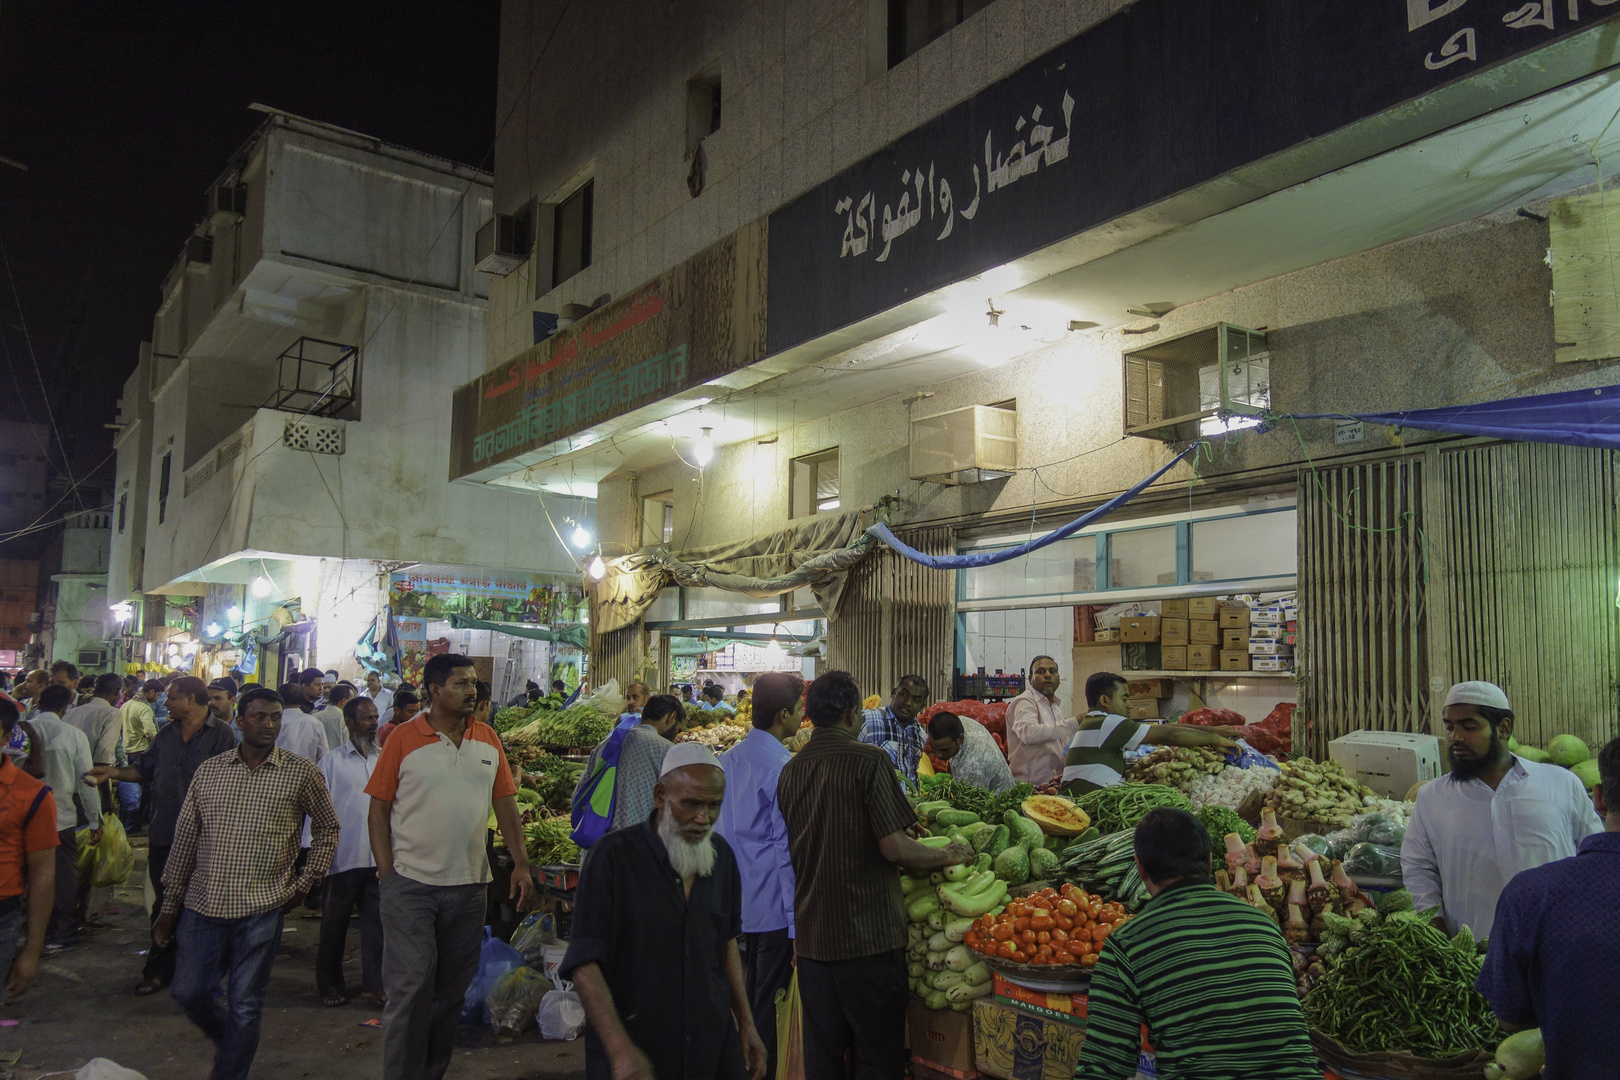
{"x":1553,"y":942}
{"x":752,"y":824}
{"x":895,"y":728}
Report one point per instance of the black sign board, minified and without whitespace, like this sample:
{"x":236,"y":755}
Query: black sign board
{"x":1163,"y":96}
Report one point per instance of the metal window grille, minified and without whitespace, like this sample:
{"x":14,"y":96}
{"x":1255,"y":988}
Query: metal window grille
{"x":1202,"y":383}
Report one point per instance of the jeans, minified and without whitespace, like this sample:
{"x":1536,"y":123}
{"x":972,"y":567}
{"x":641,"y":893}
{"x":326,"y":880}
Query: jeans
{"x":12,"y":915}
{"x":241,"y":952}
{"x":64,"y":920}
{"x":432,"y":935}
{"x":854,"y":1005}
{"x":769,"y":968}
{"x":345,"y":892}
{"x":159,"y":962}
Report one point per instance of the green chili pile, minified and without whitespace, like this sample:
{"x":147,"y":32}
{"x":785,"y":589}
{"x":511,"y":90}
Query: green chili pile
{"x":1396,"y":983}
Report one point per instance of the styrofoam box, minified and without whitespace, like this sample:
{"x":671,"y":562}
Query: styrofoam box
{"x":1389,"y":762}
{"x":1273,"y":663}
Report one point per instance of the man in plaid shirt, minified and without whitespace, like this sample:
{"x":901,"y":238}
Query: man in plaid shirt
{"x":895,"y":729}
{"x":231,"y":877}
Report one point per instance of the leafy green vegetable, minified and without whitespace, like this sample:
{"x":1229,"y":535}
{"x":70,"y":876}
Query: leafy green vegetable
{"x":547,"y":841}
{"x":1219,"y":821}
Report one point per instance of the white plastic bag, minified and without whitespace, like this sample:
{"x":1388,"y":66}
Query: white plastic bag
{"x":561,"y":1016}
{"x":102,"y":1069}
{"x":609,"y":700}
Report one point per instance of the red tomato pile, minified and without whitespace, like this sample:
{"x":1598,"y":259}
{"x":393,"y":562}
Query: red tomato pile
{"x":1054,"y":926}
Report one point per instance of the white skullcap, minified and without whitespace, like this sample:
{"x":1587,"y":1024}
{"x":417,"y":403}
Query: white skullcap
{"x":688,"y":753}
{"x":1478,"y":693}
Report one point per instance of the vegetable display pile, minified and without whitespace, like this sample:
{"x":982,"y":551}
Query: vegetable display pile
{"x":1062,"y":927}
{"x":1231,"y":786}
{"x":1318,"y":791}
{"x":1176,"y":766}
{"x":555,"y":780}
{"x":719,"y":736}
{"x":580,"y":725}
{"x":546,"y":838}
{"x":1294,"y":886}
{"x":1106,"y":867}
{"x":1016,"y":851}
{"x":1123,"y":805}
{"x":1395,"y":983}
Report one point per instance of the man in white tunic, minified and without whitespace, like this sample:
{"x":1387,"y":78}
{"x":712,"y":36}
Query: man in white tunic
{"x":1494,"y":815}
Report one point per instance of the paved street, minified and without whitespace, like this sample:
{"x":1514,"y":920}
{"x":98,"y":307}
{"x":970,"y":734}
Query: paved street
{"x":83,"y":1007}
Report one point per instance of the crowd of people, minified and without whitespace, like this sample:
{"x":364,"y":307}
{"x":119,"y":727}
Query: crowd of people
{"x":726,"y":873}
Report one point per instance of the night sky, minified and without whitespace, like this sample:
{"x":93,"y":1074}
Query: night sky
{"x":124,"y":114}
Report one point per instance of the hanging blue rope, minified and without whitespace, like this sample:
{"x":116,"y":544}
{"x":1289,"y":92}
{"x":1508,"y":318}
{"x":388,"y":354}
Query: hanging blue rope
{"x":990,"y":558}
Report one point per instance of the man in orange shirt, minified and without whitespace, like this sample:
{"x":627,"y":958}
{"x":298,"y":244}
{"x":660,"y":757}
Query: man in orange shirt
{"x":431,"y":792}
{"x":28,"y":844}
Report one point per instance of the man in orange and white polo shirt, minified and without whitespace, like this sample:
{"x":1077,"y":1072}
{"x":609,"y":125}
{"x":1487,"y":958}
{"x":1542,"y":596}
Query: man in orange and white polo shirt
{"x":431,"y":793}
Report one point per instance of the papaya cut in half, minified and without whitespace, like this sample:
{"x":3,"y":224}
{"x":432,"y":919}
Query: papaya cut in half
{"x":1056,"y":816}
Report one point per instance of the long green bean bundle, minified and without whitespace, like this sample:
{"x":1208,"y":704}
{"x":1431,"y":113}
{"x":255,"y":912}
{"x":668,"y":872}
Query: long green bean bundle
{"x":1402,"y":985}
{"x":1123,"y":805}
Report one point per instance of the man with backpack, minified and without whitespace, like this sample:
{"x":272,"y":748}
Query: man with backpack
{"x":616,"y":788}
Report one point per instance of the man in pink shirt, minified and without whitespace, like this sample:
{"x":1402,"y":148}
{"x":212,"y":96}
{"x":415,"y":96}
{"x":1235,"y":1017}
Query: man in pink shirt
{"x":1038,"y":733}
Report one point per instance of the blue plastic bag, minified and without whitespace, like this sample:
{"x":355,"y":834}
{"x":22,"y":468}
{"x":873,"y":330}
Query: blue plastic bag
{"x":1245,"y":756}
{"x":495,"y":959}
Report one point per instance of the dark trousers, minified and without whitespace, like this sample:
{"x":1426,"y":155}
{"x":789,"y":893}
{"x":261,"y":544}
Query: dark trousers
{"x":159,"y":962}
{"x":239,"y":951}
{"x":346,"y":892}
{"x":855,"y":1007}
{"x":431,"y":941}
{"x":769,"y":969}
{"x":64,"y":916}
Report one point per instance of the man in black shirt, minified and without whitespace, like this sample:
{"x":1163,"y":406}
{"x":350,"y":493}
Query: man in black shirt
{"x":192,"y":736}
{"x":664,"y":897}
{"x":847,"y":824}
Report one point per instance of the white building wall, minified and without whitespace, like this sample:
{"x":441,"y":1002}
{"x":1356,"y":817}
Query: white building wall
{"x":806,"y":92}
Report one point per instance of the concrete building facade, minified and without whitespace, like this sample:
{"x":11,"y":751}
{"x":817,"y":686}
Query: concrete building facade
{"x":813,"y":226}
{"x":274,"y":460}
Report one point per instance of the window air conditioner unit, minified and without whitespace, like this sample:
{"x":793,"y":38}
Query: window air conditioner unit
{"x":227,"y":204}
{"x":1210,"y":381}
{"x":965,"y":446}
{"x":92,"y":658}
{"x":199,"y":252}
{"x":502,"y":244}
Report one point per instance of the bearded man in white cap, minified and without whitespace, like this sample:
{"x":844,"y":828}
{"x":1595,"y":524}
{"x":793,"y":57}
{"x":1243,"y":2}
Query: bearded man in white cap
{"x":653,"y":953}
{"x":1495,"y":815}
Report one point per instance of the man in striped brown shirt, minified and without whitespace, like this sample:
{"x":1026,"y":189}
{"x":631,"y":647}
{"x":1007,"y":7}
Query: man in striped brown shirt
{"x":848,"y":828}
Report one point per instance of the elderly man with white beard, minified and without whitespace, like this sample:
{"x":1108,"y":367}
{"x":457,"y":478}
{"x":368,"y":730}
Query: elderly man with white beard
{"x":653,"y":952}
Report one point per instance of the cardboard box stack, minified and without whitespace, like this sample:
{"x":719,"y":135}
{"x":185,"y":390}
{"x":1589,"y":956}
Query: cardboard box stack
{"x":1273,"y":631}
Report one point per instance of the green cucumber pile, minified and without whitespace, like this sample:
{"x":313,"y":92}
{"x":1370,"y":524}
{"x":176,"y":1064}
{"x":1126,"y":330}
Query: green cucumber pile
{"x":1106,"y":866}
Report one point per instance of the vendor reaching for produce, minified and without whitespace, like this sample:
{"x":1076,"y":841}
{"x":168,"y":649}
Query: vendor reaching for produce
{"x":894,"y":729}
{"x":848,"y":829}
{"x":1037,"y":730}
{"x":1495,"y":815}
{"x":1208,"y":973}
{"x":972,"y":751}
{"x":1097,"y":753}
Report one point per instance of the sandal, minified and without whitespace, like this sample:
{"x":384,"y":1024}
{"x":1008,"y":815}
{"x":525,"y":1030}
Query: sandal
{"x":332,"y":1001}
{"x":148,"y":987}
{"x":376,"y":997}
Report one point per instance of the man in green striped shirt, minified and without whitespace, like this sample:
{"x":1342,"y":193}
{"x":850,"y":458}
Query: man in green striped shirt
{"x":1209,"y":975}
{"x":1096,"y":756}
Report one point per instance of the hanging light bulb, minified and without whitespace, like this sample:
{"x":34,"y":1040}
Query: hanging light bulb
{"x":774,"y":651}
{"x":261,"y":586}
{"x":233,"y":613}
{"x":581,"y":538}
{"x":598,"y":568}
{"x":212,"y":629}
{"x":705,"y":448}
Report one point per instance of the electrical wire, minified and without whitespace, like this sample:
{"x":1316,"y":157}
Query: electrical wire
{"x":28,"y":339}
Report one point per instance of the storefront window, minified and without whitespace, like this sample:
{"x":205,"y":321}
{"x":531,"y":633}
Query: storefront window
{"x":1141,"y":557}
{"x":1256,"y":545}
